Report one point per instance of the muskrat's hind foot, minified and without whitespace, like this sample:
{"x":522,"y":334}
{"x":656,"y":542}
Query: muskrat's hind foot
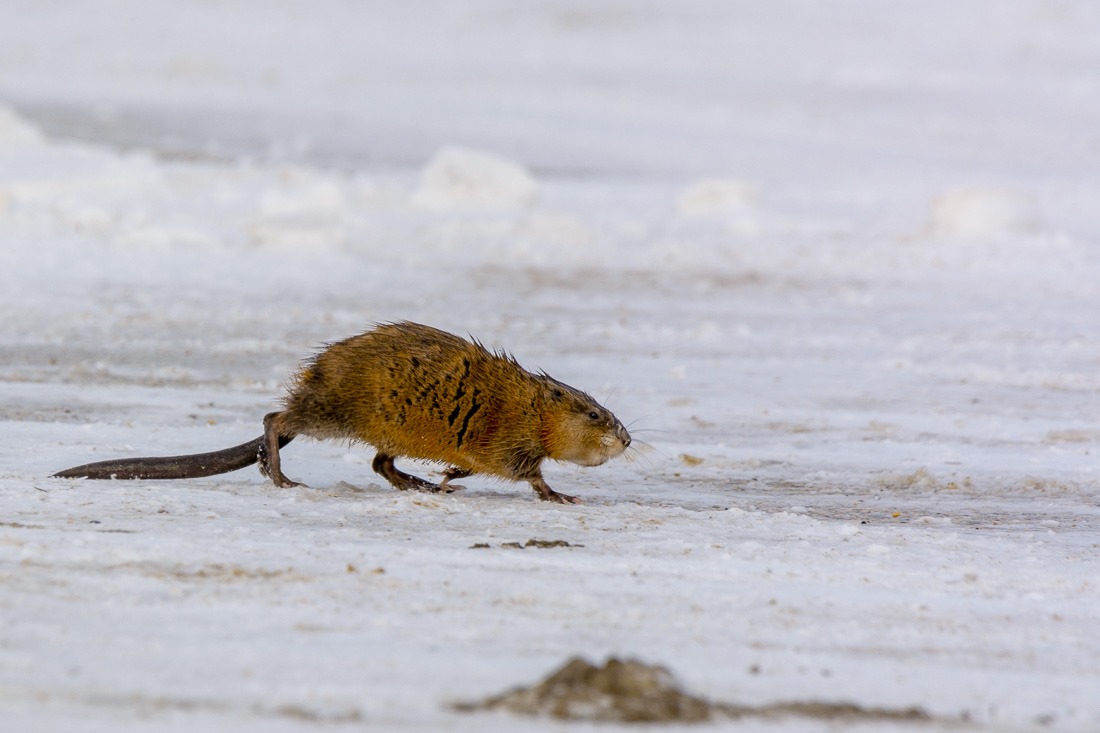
{"x":453,"y":473}
{"x":383,"y":465}
{"x":268,"y":454}
{"x":548,"y":494}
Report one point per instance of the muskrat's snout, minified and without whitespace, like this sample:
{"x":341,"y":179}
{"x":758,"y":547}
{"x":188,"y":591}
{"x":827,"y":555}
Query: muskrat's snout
{"x":615,"y":441}
{"x":622,"y":435}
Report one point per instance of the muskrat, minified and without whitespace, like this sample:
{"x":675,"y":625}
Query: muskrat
{"x":414,"y":391}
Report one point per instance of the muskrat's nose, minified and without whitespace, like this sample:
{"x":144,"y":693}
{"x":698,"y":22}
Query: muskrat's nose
{"x":624,"y":436}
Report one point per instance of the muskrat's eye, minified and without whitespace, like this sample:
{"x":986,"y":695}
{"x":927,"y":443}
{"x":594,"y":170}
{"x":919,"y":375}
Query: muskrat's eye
{"x":593,"y":415}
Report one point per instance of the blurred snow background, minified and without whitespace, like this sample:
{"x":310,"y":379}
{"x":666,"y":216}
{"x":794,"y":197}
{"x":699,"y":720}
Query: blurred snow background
{"x":836,"y":263}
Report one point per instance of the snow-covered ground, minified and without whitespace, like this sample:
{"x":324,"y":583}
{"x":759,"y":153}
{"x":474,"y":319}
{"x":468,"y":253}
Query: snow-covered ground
{"x":835,"y":263}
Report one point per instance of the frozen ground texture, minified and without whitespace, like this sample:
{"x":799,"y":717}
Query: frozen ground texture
{"x":836,"y":263}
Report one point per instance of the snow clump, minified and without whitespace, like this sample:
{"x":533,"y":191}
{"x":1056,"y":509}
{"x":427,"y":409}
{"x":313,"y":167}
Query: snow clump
{"x":716,"y":197}
{"x":983,"y":212}
{"x":460,"y":178}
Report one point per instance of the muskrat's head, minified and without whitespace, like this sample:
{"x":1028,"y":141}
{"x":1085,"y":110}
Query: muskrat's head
{"x":578,"y":429}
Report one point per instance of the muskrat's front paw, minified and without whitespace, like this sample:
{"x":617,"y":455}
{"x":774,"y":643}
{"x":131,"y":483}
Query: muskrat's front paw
{"x":564,"y":498}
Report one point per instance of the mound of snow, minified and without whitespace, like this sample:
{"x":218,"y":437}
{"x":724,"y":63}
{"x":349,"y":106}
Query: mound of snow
{"x":716,"y":197}
{"x":15,"y":131}
{"x":983,"y":212}
{"x":728,"y":201}
{"x":459,"y":178}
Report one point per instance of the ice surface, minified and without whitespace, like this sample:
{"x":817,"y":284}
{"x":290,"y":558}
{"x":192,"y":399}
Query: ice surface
{"x":836,"y":265}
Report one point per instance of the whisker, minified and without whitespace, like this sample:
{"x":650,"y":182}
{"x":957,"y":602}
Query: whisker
{"x":647,"y":430}
{"x":638,"y":452}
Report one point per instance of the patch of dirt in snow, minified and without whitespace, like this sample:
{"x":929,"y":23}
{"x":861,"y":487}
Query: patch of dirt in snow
{"x":219,"y":572}
{"x":629,"y":691}
{"x":144,"y":706}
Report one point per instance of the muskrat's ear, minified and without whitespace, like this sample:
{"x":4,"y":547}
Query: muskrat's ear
{"x":557,"y":394}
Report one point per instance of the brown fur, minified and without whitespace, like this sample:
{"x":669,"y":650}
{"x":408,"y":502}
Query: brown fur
{"x":418,"y":392}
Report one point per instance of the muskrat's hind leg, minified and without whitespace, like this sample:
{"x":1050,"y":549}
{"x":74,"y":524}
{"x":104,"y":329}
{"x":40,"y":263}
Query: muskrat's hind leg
{"x":453,"y":473}
{"x":269,"y":451}
{"x":548,"y":494}
{"x":383,"y":464}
